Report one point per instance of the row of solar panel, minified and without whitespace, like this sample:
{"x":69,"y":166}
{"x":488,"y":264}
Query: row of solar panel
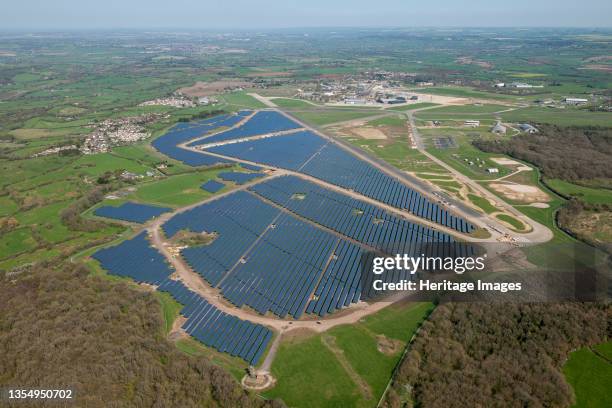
{"x":308,"y":153}
{"x":132,"y":212}
{"x":135,"y":258}
{"x":281,"y":271}
{"x":217,"y":329}
{"x":183,"y":132}
{"x":275,"y":259}
{"x":340,"y":284}
{"x":353,"y":218}
{"x":237,"y":219}
{"x":212,"y":186}
{"x":263,"y":122}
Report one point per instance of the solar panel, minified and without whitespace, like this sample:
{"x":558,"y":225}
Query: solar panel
{"x":212,"y":186}
{"x":132,"y":212}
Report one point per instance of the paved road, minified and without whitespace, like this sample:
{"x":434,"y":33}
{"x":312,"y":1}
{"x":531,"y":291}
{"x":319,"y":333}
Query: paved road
{"x":539,"y":232}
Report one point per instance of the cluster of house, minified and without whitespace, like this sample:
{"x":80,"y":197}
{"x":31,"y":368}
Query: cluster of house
{"x":114,"y":132}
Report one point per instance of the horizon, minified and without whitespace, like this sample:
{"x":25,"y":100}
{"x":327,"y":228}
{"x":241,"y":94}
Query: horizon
{"x":29,"y":15}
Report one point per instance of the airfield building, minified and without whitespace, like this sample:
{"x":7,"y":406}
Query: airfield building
{"x":576,"y":101}
{"x":498,"y":129}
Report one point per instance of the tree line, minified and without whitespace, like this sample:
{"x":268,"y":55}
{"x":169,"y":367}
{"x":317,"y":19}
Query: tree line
{"x":62,"y":327}
{"x":496,"y":355}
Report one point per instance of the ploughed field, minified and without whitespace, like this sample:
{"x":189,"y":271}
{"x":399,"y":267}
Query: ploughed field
{"x":282,"y":245}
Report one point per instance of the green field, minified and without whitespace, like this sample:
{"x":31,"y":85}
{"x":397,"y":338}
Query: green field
{"x":587,"y":194}
{"x":290,"y":103}
{"x":462,"y":92}
{"x":310,"y":374}
{"x":516,"y":224}
{"x":242,"y":100}
{"x":563,"y":117}
{"x":328,"y":116}
{"x":170,"y":309}
{"x":591,"y":378}
{"x":177,"y":191}
{"x":398,"y":153}
{"x":482,"y":203}
{"x":393,"y":120}
{"x":413,"y":106}
{"x":461,"y":111}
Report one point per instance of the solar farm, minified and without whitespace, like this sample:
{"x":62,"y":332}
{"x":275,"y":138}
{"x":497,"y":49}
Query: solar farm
{"x":288,"y":242}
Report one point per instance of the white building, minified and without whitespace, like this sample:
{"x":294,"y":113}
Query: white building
{"x":471,"y":123}
{"x":492,"y":170}
{"x":575,"y":101}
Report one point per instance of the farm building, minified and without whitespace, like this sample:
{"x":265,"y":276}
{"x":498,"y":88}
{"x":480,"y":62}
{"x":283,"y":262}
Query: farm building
{"x":499,"y":129}
{"x":576,"y":101}
{"x":471,"y":123}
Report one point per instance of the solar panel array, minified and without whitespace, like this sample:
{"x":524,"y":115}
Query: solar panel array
{"x":132,"y":212}
{"x":341,"y":283}
{"x":217,"y":329}
{"x":183,"y":132}
{"x":239,"y":178}
{"x":288,"y":151}
{"x":212,"y":186}
{"x":136,"y":259}
{"x":353,"y":218}
{"x":308,"y":153}
{"x":282,"y":269}
{"x":238,"y":219}
{"x":261,"y":123}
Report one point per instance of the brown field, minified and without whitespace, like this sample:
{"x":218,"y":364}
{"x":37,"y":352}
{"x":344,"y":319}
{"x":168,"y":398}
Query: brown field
{"x":598,"y":67}
{"x":207,"y":88}
{"x":520,"y":192}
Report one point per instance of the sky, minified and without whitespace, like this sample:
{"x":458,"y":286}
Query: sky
{"x":259,"y":14}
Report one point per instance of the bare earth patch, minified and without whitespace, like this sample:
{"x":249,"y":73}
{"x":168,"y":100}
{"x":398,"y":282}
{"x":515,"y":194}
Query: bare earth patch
{"x":504,"y":161}
{"x":520,"y":192}
{"x":369,"y":133}
{"x":539,"y":205}
{"x":388,"y":346}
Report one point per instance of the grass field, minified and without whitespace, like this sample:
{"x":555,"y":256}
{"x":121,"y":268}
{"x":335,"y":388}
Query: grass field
{"x":516,"y":224}
{"x":327,"y":116}
{"x":309,"y":371}
{"x":242,"y":100}
{"x":170,"y":309}
{"x":482,"y":203}
{"x":586,"y":194}
{"x":177,"y":191}
{"x":461,"y":111}
{"x":290,"y":103}
{"x":563,"y":117}
{"x":398,"y":153}
{"x":463,"y":92}
{"x":418,"y":105}
{"x":394,"y":120}
{"x":591,"y":378}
